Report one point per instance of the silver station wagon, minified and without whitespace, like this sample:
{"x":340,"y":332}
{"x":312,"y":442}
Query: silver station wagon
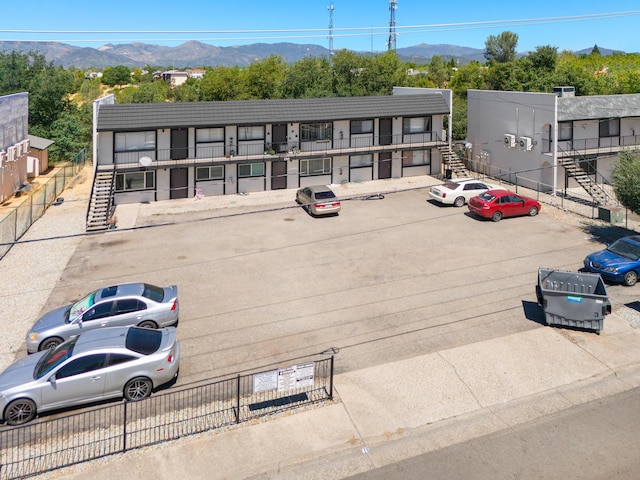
{"x":127,"y":362}
{"x":127,"y":304}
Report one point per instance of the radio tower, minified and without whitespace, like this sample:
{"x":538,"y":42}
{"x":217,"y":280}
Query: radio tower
{"x":330,"y":8}
{"x":393,"y":6}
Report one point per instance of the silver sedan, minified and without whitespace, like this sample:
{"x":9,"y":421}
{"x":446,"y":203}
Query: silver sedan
{"x":121,"y":305}
{"x":127,"y":362}
{"x":318,"y":200}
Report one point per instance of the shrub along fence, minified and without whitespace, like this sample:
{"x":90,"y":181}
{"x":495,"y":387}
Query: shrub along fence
{"x":15,"y":221}
{"x":47,"y":445}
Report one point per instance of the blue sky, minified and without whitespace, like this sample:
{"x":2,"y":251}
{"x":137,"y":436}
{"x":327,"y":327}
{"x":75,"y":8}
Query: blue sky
{"x":361,"y":25}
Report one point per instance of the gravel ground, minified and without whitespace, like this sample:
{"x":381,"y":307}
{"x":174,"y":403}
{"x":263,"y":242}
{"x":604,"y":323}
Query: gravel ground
{"x":31,"y":269}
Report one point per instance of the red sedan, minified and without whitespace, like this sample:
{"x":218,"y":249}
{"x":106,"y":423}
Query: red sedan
{"x":495,"y":204}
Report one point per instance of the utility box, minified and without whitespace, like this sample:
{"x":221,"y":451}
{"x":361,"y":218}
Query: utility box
{"x":573,"y":299}
{"x":611,"y":214}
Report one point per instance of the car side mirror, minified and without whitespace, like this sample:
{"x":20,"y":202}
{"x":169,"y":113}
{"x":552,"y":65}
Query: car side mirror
{"x":52,"y":380}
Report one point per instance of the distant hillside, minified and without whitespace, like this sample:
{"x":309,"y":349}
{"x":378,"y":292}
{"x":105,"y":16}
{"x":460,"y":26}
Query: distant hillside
{"x":197,"y":54}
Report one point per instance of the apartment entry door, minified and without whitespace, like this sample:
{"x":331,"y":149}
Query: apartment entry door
{"x":279,"y":138}
{"x":384,"y":165}
{"x":279,"y":175}
{"x":386,"y":133}
{"x":179,"y":183}
{"x":179,"y":143}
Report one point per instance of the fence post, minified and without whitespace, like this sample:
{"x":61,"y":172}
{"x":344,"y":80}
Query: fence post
{"x":124,"y":429}
{"x":238,"y":400}
{"x":331,"y":380}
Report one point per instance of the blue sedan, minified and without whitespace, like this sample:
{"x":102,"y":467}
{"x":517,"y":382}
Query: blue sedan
{"x":619,"y":262}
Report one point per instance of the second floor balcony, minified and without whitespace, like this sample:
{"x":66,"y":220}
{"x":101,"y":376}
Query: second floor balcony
{"x":259,"y":150}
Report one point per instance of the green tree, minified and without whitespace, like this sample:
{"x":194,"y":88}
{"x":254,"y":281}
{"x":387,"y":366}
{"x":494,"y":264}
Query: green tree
{"x":439,"y":72}
{"x":544,"y":59}
{"x":347,"y":68}
{"x":625,"y":177}
{"x":263,"y":78}
{"x":468,"y":77}
{"x":309,"y":77}
{"x":221,"y":84}
{"x":119,"y":75}
{"x":49,"y":91}
{"x":501,"y":48}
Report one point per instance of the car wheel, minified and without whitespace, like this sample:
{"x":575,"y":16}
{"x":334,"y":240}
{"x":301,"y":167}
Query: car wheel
{"x":496,"y":217}
{"x":458,"y":202}
{"x":20,"y":411}
{"x":630,"y":278}
{"x":148,"y":324}
{"x":52,"y":342}
{"x":533,"y":211}
{"x":137,"y":389}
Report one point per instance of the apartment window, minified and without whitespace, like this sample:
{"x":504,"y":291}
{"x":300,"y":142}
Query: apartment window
{"x":132,"y":141}
{"x":416,"y":125}
{"x":251,"y":132}
{"x":416,"y":158}
{"x":128,"y":181}
{"x":315,"y":166}
{"x":357,"y":161}
{"x":213,"y":172}
{"x":312,"y":132}
{"x":251,"y":170}
{"x":209,"y":135}
{"x":565,"y":131}
{"x":361,"y":126}
{"x":609,"y":127}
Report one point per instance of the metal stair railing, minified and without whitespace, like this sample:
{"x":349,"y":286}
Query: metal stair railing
{"x":601,"y":193}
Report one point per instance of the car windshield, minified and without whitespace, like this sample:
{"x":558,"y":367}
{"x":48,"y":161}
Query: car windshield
{"x":153,"y":293}
{"x":625,"y":248}
{"x":486,"y":196}
{"x":143,"y":340}
{"x":81,"y":306}
{"x":325,"y":195}
{"x":54,"y":357}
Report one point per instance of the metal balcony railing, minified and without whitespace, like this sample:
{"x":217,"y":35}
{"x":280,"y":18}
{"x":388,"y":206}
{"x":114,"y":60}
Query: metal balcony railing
{"x":259,"y":150}
{"x":598,"y":146}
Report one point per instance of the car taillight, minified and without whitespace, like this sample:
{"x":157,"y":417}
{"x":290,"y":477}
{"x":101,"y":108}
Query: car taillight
{"x":171,"y":356}
{"x":444,"y":195}
{"x":175,"y":305}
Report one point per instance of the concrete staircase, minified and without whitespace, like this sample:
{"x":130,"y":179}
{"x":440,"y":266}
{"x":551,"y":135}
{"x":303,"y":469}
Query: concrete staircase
{"x":101,"y":203}
{"x":453,"y":162}
{"x":595,"y":191}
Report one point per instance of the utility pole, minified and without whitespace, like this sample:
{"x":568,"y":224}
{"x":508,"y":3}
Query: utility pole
{"x":393,"y":6}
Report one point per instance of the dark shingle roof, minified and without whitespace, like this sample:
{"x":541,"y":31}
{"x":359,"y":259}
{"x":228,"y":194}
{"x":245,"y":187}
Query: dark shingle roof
{"x":598,"y":106}
{"x":127,"y":117}
{"x":39,"y":143}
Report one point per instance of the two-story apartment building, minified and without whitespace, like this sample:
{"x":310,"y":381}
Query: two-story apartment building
{"x":14,"y":144}
{"x":168,"y":150}
{"x":551,"y":141}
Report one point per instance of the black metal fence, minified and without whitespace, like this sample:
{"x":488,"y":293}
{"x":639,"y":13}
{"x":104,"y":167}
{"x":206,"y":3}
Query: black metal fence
{"x":15,"y":222}
{"x":47,"y":445}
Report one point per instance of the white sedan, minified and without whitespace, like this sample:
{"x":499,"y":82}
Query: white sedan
{"x":458,"y":192}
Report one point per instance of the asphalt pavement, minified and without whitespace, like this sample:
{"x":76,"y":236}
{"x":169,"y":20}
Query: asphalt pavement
{"x":394,"y":411}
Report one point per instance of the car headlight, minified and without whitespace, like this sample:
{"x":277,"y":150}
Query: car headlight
{"x":33,"y":336}
{"x":611,"y":269}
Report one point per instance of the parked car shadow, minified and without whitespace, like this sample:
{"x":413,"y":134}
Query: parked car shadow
{"x":606,"y":233}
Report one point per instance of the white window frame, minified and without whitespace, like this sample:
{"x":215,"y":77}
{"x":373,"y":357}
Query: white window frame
{"x":416,"y":158}
{"x":311,"y":167}
{"x":255,"y":170}
{"x":361,"y":161}
{"x":250,"y":132}
{"x":314,"y":132}
{"x":210,"y":135}
{"x":135,"y":141}
{"x":411,"y":125}
{"x":210,"y":172}
{"x":146,"y":182}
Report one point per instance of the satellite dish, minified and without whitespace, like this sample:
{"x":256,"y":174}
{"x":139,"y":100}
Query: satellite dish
{"x":145,"y":161}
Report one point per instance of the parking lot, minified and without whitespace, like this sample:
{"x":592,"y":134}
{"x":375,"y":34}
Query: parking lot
{"x":383,"y":281}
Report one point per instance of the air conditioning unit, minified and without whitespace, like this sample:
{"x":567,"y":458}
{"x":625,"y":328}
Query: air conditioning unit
{"x":526,"y":143}
{"x":18,"y":147}
{"x":11,"y":154}
{"x":509,"y":140}
{"x":25,"y":146}
{"x":3,"y":158}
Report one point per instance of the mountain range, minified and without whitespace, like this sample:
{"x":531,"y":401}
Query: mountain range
{"x":194,"y":54}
